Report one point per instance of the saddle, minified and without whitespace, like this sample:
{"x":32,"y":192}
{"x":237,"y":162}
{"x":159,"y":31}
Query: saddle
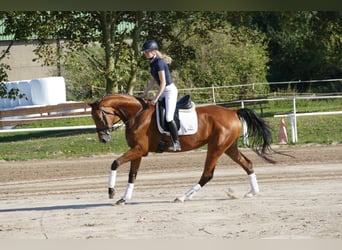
{"x":185,"y":116}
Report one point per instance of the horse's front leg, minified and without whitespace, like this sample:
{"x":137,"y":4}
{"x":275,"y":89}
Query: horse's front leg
{"x":133,"y":155}
{"x":131,"y":179}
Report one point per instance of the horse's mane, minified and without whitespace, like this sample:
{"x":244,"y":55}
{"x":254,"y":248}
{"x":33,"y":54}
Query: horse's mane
{"x":141,"y":101}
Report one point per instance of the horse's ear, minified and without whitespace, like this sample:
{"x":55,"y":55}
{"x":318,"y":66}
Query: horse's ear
{"x":142,"y":102}
{"x":91,"y":104}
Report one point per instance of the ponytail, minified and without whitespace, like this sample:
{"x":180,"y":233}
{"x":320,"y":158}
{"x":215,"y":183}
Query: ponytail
{"x":166,"y":58}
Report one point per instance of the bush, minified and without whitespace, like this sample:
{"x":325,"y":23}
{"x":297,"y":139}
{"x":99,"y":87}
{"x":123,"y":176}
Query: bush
{"x":230,"y":56}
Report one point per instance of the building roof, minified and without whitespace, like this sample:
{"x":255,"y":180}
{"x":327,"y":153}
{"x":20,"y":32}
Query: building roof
{"x":121,"y":27}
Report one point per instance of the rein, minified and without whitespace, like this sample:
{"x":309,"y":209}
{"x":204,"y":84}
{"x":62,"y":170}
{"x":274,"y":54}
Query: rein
{"x":107,"y":128}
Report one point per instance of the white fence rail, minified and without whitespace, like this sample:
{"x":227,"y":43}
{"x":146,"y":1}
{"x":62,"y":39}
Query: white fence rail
{"x":293,"y":121}
{"x":293,"y":116}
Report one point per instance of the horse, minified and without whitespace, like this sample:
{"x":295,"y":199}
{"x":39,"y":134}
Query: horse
{"x":218,"y":127}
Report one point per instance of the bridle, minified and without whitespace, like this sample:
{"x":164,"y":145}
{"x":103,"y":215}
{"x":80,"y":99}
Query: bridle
{"x":107,"y":128}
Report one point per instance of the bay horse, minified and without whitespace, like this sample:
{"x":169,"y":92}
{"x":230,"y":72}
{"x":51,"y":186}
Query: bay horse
{"x":218,"y":127}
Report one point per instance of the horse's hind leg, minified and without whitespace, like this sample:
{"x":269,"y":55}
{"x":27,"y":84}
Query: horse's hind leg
{"x":236,"y":155}
{"x":210,"y":163}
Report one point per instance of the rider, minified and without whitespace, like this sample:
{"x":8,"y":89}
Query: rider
{"x":167,"y":89}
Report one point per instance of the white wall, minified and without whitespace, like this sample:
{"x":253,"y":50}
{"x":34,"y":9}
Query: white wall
{"x":40,"y":91}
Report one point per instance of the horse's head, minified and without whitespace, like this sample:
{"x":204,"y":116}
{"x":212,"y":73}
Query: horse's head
{"x":113,"y":108}
{"x":104,"y":118}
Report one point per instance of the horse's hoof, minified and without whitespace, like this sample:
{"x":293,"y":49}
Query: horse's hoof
{"x":120,"y":202}
{"x":179,"y":200}
{"x":250,"y":195}
{"x":111,"y":193}
{"x":230,"y":194}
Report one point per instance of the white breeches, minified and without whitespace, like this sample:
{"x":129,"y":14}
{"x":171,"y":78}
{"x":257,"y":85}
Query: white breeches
{"x":170,"y":95}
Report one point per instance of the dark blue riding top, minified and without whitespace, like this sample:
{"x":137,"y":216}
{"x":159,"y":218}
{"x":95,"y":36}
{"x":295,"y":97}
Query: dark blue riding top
{"x":157,"y":65}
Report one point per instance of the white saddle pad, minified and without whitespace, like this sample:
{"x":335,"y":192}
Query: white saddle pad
{"x":188,"y":121}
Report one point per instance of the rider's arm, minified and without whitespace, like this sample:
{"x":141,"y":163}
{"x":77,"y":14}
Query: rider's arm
{"x":162,"y":86}
{"x":149,"y":87}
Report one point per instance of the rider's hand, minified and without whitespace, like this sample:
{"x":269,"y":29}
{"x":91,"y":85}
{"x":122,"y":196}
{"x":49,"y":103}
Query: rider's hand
{"x":153,"y":102}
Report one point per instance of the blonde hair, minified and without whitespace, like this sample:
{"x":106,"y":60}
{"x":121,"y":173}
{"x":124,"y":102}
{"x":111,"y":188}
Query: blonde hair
{"x":166,"y":58}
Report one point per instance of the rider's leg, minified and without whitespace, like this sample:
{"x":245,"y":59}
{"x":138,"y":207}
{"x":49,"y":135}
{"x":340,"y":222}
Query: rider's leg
{"x":170,"y":94}
{"x":174,"y":136}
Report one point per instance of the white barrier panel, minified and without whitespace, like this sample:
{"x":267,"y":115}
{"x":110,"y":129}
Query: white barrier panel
{"x":13,"y":102}
{"x":42,"y":91}
{"x":24,"y":88}
{"x":48,"y":91}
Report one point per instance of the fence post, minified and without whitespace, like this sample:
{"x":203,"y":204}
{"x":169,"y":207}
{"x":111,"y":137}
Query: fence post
{"x":213,"y":93}
{"x":294,"y":121}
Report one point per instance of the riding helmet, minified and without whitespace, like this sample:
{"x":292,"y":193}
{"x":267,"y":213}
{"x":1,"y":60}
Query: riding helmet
{"x":149,"y":45}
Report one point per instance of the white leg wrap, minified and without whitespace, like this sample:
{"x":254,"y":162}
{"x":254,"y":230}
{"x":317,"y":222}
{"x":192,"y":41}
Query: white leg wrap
{"x":254,"y":183}
{"x":188,"y":195}
{"x":112,"y":178}
{"x":129,"y":191}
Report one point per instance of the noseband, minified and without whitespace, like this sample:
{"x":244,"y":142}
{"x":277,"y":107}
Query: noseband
{"x":106,"y":128}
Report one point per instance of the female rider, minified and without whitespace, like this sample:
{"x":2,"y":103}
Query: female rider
{"x":167,"y":90}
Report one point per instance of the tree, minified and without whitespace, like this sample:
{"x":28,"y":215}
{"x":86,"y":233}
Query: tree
{"x":17,"y":34}
{"x":301,"y":45}
{"x":123,"y":57}
{"x":74,"y":30}
{"x":304,"y":45}
{"x":229,"y":56}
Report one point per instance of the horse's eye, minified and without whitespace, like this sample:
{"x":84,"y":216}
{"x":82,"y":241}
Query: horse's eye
{"x":96,"y":117}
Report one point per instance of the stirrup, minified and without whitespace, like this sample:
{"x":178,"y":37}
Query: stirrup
{"x":175,"y":147}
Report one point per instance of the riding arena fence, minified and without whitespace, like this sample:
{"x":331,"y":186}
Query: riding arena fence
{"x":9,"y":118}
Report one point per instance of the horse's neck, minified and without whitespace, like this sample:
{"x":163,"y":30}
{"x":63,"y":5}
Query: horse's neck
{"x":127,"y":108}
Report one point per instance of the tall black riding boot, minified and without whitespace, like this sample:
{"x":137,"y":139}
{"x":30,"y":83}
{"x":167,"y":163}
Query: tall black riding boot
{"x":174,"y":136}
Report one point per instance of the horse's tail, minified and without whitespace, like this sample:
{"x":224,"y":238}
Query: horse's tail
{"x":258,"y":131}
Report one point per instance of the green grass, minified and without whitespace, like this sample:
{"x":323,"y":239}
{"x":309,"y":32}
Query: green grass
{"x":57,"y":144}
{"x":324,"y":129}
{"x":321,"y":129}
{"x":302,"y":106}
{"x":311,"y":129}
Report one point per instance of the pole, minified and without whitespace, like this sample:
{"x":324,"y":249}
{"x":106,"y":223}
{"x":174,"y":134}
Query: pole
{"x":213,"y":93}
{"x":295,"y":135}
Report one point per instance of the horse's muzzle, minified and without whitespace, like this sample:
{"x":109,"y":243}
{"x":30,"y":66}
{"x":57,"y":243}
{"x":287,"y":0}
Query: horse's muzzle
{"x":104,"y":138}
